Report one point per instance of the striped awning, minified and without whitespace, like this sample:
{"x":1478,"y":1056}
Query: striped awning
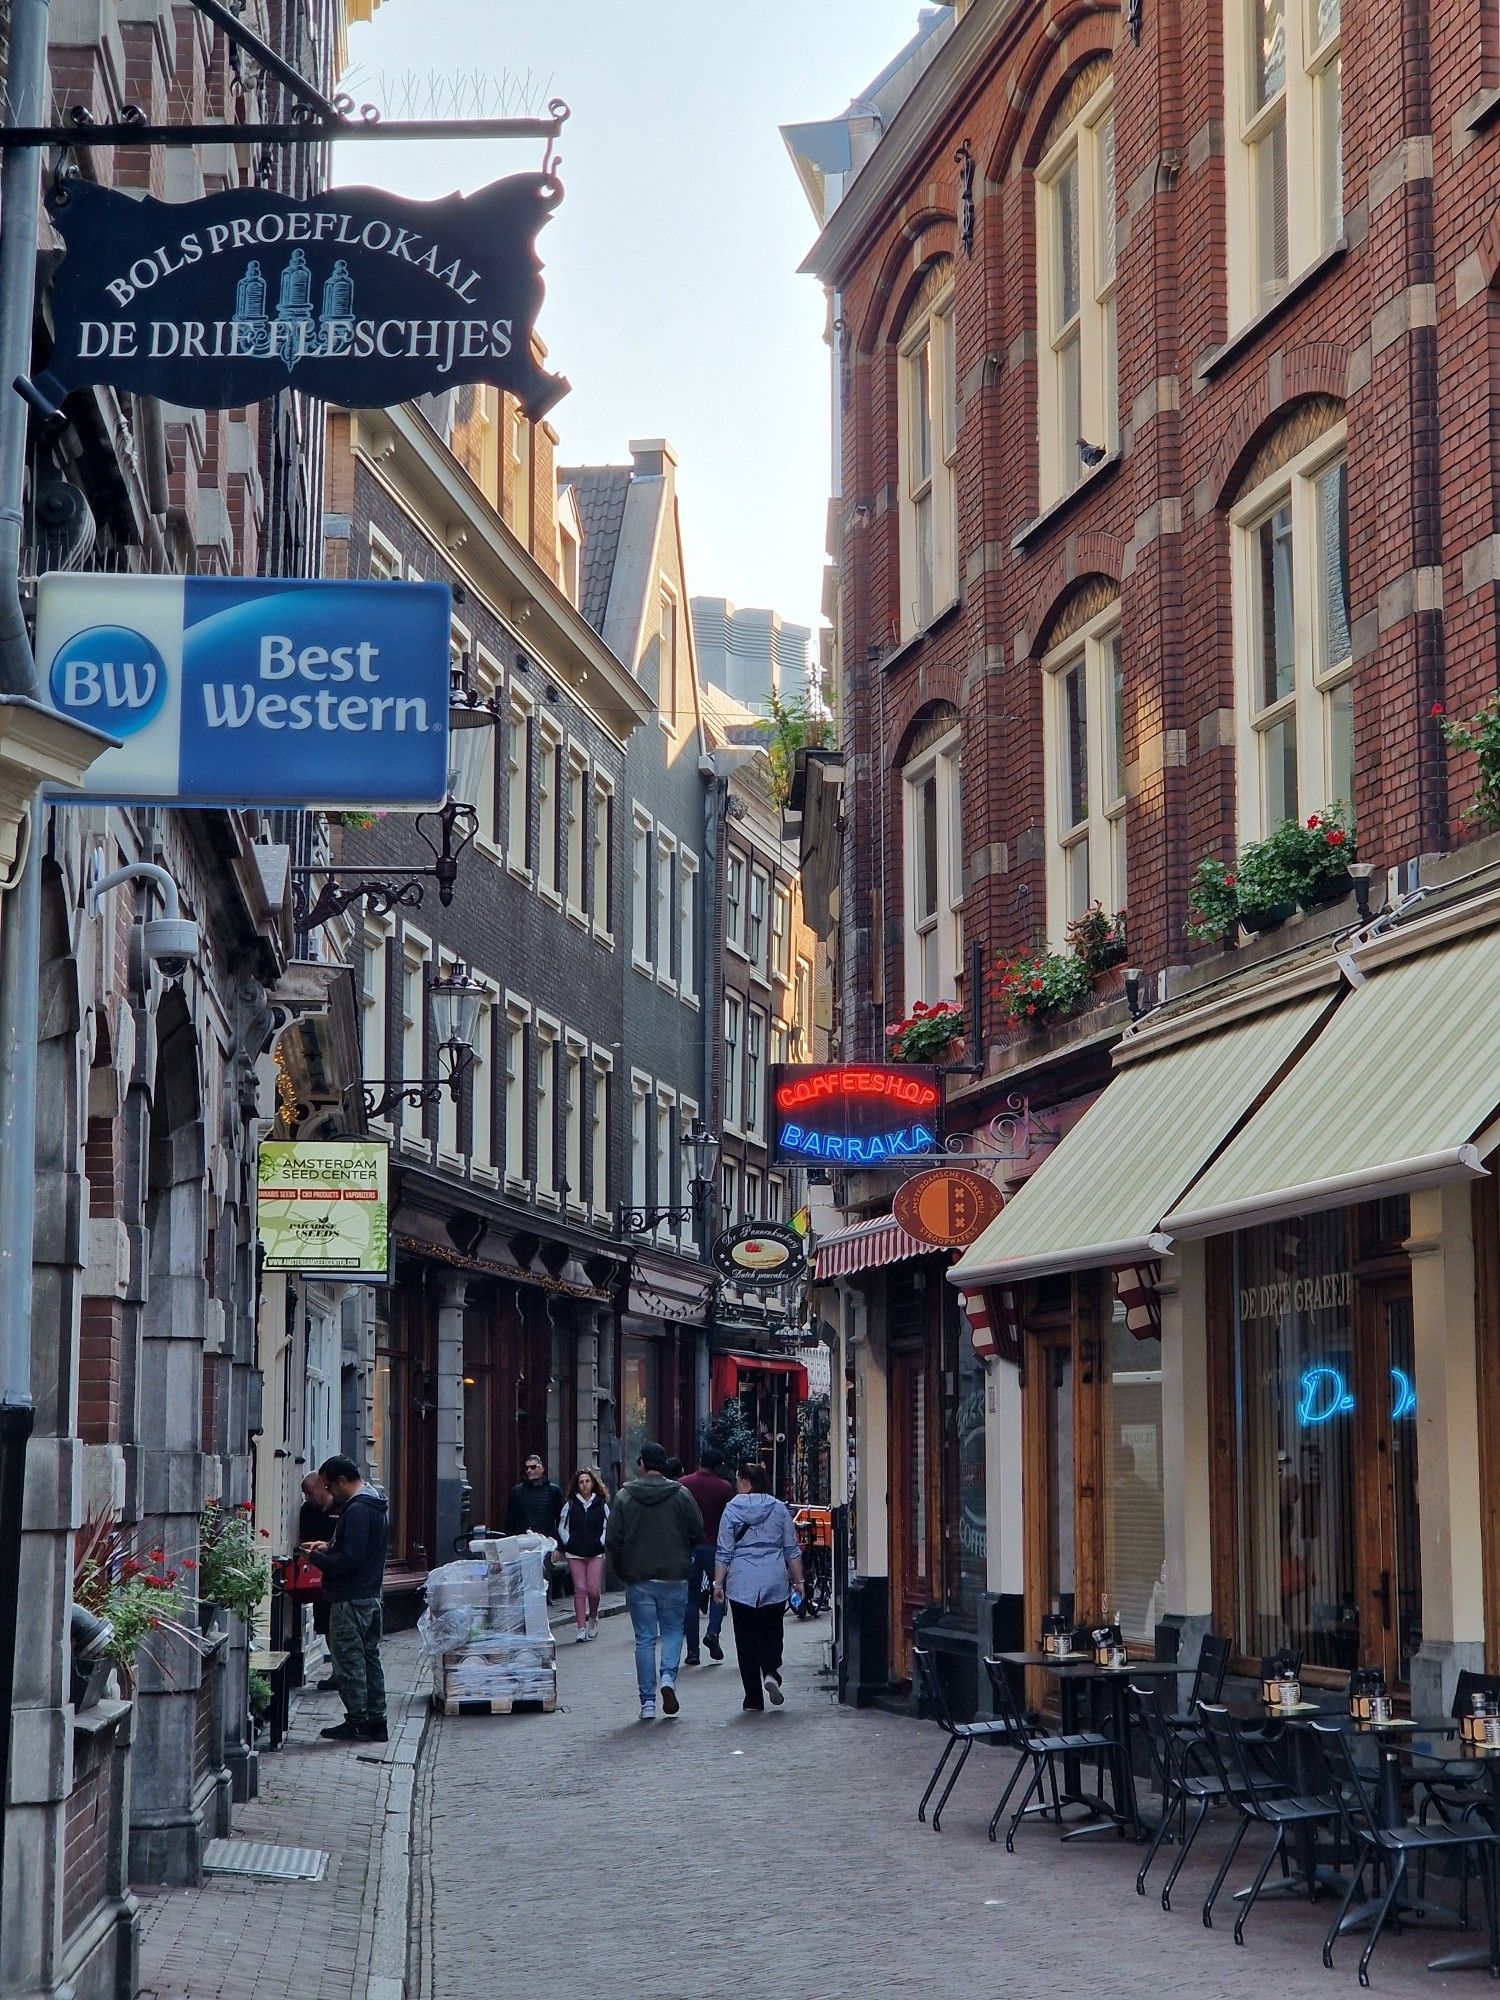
{"x":866,"y":1246}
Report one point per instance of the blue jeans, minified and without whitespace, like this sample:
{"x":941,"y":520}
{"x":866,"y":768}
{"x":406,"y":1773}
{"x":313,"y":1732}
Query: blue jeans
{"x":703,"y":1567}
{"x":656,"y":1612}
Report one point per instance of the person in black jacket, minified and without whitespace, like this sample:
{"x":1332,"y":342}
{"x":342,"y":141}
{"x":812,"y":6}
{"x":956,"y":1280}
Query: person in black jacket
{"x":353,"y":1566}
{"x":535,"y":1506}
{"x":581,"y":1532}
{"x":316,"y":1521}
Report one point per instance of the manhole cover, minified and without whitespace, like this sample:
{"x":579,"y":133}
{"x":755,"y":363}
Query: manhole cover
{"x":265,"y":1860}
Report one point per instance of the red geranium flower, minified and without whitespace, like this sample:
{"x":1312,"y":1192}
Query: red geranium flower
{"x":157,"y":1555}
{"x":265,"y":1534}
{"x":1228,"y":881}
{"x":1031,"y":1006}
{"x":1437,"y":709}
{"x":1336,"y":837}
{"x":130,"y":1567}
{"x":245,"y":1507}
{"x":188,"y":1563}
{"x":1313,"y":822}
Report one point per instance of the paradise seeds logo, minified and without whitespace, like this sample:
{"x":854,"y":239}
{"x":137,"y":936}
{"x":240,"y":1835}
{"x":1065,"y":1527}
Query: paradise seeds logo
{"x":110,"y":677}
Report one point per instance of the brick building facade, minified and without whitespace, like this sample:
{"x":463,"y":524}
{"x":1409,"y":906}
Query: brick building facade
{"x":1166,"y":512}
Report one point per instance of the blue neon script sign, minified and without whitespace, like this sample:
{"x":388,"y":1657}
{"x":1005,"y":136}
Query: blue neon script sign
{"x":1323,"y":1394}
{"x":253,"y":692}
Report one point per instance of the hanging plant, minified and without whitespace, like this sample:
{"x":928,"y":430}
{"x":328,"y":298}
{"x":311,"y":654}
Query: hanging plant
{"x":136,"y":1595}
{"x":927,"y":1034}
{"x":232,"y":1570}
{"x":1039,"y":986}
{"x":1481,"y":734}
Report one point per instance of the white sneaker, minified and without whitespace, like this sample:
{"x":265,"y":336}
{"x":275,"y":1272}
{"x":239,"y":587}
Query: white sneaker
{"x":648,"y":1711}
{"x":593,"y":1628}
{"x":583,"y":1636}
{"x":773,"y":1689}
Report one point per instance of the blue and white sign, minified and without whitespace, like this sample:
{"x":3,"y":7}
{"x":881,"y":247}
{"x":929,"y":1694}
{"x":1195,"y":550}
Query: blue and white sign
{"x":228,"y":691}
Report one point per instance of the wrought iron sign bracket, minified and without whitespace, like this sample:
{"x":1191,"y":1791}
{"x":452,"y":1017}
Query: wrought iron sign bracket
{"x":1012,"y":1135}
{"x":398,"y":887}
{"x":134,"y":128}
{"x":394,"y":1090}
{"x":648,"y":1220}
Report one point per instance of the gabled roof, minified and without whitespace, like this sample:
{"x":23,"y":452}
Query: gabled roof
{"x":600,"y":493}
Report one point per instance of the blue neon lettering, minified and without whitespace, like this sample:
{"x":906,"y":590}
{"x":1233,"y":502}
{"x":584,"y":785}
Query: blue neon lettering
{"x":1324,"y":1394}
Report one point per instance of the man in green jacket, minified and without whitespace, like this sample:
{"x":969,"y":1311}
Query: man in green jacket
{"x":654,"y":1526}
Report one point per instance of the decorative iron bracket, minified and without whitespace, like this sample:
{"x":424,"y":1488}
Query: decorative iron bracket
{"x":1011,"y":1136}
{"x":394,"y":1090}
{"x":964,"y":159}
{"x":648,"y":1220}
{"x":397,"y":887}
{"x":317,"y":121}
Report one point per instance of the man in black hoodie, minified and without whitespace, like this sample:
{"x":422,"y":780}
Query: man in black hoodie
{"x":353,"y":1566}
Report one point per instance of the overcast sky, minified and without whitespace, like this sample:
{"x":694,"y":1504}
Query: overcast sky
{"x":673,"y":302}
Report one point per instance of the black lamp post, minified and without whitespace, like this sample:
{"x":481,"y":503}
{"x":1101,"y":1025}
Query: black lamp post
{"x":456,"y":1001}
{"x":702,"y":1148}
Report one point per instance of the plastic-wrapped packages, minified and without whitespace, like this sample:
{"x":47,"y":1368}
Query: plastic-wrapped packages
{"x":486,"y":1628}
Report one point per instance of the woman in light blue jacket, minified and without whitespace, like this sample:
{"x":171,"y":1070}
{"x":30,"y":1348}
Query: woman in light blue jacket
{"x":756,"y":1563}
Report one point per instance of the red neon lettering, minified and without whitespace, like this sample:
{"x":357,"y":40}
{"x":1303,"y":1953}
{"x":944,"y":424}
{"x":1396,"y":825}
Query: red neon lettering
{"x":855,"y":1082}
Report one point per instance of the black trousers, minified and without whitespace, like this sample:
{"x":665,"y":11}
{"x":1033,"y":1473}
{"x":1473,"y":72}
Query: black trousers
{"x":757,"y":1645}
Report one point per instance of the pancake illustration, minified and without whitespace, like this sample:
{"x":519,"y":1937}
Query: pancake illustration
{"x":760,"y":1253}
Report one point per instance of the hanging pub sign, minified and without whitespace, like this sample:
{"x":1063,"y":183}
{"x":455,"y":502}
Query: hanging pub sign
{"x":238,"y":691}
{"x":854,"y":1114}
{"x":947,"y":1207}
{"x":760,"y":1253}
{"x":356,"y":296}
{"x":324,"y":1205}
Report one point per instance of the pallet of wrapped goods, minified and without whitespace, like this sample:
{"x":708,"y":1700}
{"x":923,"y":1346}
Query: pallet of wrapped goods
{"x":486,"y":1633}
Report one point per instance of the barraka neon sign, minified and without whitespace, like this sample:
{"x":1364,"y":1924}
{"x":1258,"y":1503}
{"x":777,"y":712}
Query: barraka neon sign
{"x":855,"y":1114}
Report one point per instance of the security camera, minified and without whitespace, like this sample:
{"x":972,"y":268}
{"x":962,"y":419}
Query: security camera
{"x":172,"y":944}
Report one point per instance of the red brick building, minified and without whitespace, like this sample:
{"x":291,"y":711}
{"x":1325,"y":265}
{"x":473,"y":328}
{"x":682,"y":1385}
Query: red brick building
{"x":1167,"y":515}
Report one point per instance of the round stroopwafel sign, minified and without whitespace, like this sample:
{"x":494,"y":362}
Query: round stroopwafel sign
{"x":947,"y":1207}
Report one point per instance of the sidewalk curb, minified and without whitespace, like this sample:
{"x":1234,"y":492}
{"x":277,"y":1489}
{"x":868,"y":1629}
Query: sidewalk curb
{"x":389,"y":1925}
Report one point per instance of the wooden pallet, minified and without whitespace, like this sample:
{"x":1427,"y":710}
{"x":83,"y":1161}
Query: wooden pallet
{"x":506,"y":1705}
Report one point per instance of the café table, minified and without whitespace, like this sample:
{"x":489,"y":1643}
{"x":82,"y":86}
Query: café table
{"x":1072,"y":1671}
{"x":1431,"y":1757}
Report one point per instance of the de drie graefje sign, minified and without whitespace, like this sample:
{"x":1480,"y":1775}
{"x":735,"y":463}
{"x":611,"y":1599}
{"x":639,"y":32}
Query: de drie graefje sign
{"x":234,"y":692}
{"x":357,"y":296}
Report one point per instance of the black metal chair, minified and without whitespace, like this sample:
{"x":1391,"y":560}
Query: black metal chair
{"x":1042,"y":1747}
{"x":1461,"y":1790}
{"x":1208,"y":1682}
{"x":961,"y":1736}
{"x":1262,"y":1797}
{"x":1391,"y":1847}
{"x":1179,"y":1761}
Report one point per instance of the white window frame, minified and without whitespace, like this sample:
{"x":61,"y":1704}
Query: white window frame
{"x":1317,"y":682}
{"x":781,"y":931}
{"x":1085,"y":147}
{"x":602,"y":863}
{"x":520,"y":721}
{"x":664,"y":904}
{"x":640,"y":1139}
{"x":736,"y":868}
{"x":755,"y":1184}
{"x":757,"y":921}
{"x":775,"y":1198}
{"x":549,"y":778}
{"x":687,"y":1115}
{"x":416,"y":956}
{"x":1307,"y":108}
{"x":802,"y":1021}
{"x":934,"y":938}
{"x":687,"y":926}
{"x":385,"y":558}
{"x":601,"y":1113}
{"x":734,"y":1061}
{"x":576,"y":832}
{"x":374,"y":1002}
{"x":487,"y":679}
{"x":449,"y":1106}
{"x":1086,"y":858}
{"x":517,"y":1027}
{"x":481,"y":1091}
{"x":927,"y":441}
{"x":548,"y":1086}
{"x":729,"y":1191}
{"x":664,"y":1151}
{"x":757,"y":1036}
{"x":668,"y":657}
{"x":640,"y":887}
{"x":575,"y":1062}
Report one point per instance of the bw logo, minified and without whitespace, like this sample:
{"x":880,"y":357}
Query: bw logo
{"x":112,"y":677}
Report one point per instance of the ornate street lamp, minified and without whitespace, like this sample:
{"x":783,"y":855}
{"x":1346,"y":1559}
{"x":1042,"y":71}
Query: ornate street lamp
{"x":445,"y":833}
{"x":702,"y":1149}
{"x":456,"y":1001}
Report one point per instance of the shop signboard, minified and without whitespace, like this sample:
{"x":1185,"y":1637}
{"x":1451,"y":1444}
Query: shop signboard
{"x":760,"y":1253}
{"x":253,"y":692}
{"x":947,"y":1207}
{"x":324,"y":1206}
{"x":854,"y":1114}
{"x":356,"y":296}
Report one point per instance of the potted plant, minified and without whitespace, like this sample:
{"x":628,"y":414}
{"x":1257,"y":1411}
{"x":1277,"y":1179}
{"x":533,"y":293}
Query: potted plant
{"x":928,"y":1034}
{"x":1213,"y":903}
{"x":259,"y":1688}
{"x":1099,"y":940}
{"x":134,"y":1595}
{"x":1481,"y":734}
{"x":1326,"y":848}
{"x":1268,"y":876}
{"x":1038,"y":987}
{"x":233,"y":1573}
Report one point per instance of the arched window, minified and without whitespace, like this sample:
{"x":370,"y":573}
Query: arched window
{"x":1294,"y":658}
{"x":1075,"y":235}
{"x":928,"y":429}
{"x":1084,"y":726}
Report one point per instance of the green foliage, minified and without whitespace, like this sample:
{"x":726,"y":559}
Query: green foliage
{"x":1042,"y":985}
{"x":1481,"y":734}
{"x":730,"y":1431}
{"x":1299,"y":862}
{"x":260,"y":1692}
{"x":795,"y":725}
{"x":1213,"y":902}
{"x":927,"y":1032}
{"x":232,"y":1571}
{"x":1098,"y":938}
{"x":136,"y":1594}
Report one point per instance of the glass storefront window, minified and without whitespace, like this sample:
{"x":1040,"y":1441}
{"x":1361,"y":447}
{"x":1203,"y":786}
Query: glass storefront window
{"x":639,"y":1399}
{"x":1295,"y":1487}
{"x":969,"y":1462}
{"x":1135,"y":1547}
{"x":1060,"y":1497}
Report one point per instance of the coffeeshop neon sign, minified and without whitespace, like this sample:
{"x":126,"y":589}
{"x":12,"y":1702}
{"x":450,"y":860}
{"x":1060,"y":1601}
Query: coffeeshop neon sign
{"x":855,"y":1114}
{"x":1323,"y":1394}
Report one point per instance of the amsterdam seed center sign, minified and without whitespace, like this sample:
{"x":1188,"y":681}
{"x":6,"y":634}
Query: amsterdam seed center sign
{"x":325,"y":1206}
{"x":356,"y":296}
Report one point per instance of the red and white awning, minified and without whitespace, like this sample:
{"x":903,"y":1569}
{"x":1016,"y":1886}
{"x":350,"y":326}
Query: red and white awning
{"x":866,"y":1246}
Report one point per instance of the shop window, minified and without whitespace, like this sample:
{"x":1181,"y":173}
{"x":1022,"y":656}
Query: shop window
{"x":1085,"y":773}
{"x":1134,"y":1540}
{"x":1294,"y":652}
{"x":928,"y":427}
{"x":1076,"y":284}
{"x":1061,"y":1499}
{"x":934,"y":872}
{"x":640,"y":1388}
{"x":968,"y":1506}
{"x":1284,"y":89}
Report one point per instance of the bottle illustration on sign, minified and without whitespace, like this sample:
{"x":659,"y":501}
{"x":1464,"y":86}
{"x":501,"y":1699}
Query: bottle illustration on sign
{"x":297,"y":330}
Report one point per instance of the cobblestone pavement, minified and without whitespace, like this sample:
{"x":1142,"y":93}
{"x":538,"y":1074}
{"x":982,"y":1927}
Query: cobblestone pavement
{"x":238,"y":1939}
{"x":779,"y":1856}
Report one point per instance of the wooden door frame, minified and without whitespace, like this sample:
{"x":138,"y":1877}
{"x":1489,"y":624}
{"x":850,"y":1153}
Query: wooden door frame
{"x":1080,"y":1330}
{"x":1485,"y":1210}
{"x":924,"y":1348}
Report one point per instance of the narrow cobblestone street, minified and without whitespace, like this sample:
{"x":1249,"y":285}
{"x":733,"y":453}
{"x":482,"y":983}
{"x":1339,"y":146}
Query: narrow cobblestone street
{"x":780,"y":1856}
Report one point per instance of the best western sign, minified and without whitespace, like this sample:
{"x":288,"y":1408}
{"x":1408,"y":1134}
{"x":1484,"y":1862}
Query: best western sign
{"x":355,"y":295}
{"x":228,"y":691}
